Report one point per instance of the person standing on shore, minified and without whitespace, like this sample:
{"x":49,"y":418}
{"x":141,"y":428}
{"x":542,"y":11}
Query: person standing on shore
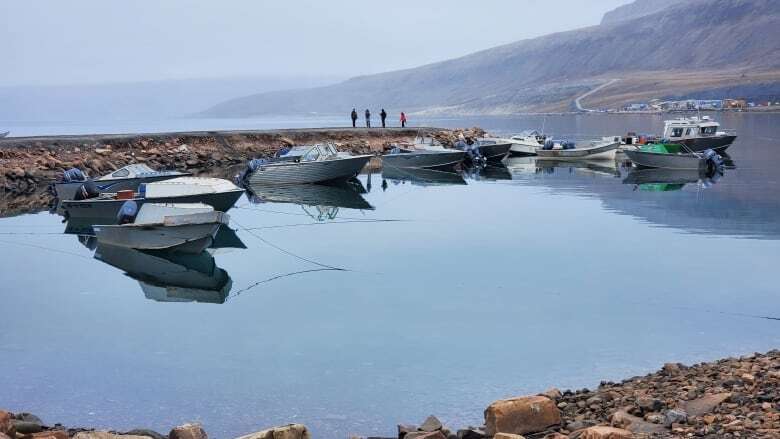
{"x":383,"y":116}
{"x":368,"y":118}
{"x":354,"y":118}
{"x":403,"y":120}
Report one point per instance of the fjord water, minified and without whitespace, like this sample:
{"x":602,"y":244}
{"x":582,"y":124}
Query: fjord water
{"x":451,"y":295}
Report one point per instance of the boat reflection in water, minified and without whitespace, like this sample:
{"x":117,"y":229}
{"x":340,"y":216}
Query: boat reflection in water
{"x":168,"y":276}
{"x":607,"y":168}
{"x":664,"y":180}
{"x":421,"y":177}
{"x":325,"y":199}
{"x":489,"y":172}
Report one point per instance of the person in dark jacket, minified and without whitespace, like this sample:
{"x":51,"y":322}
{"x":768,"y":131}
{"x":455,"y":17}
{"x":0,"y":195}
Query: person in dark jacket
{"x":354,"y":118}
{"x":383,"y":116}
{"x":368,"y":118}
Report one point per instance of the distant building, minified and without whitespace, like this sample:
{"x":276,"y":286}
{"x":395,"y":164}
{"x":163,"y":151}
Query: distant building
{"x":734,"y":104}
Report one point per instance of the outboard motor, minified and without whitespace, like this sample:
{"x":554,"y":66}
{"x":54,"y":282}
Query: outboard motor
{"x":251,"y":167}
{"x":86,"y":191}
{"x":282,"y":152}
{"x":73,"y":175}
{"x":568,"y":145}
{"x":127,"y":212}
{"x":714,"y":162}
{"x":548,"y":144}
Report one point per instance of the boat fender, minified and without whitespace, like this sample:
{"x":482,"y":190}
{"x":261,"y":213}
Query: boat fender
{"x":72,"y":175}
{"x":548,"y":144}
{"x":127,"y":212}
{"x":86,"y":191}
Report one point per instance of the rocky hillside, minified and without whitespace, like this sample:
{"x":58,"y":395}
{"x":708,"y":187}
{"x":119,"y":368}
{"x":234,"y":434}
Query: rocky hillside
{"x":735,"y":38}
{"x":636,"y":9}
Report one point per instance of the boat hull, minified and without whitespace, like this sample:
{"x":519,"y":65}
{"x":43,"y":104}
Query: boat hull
{"x":67,"y":191}
{"x":523,"y":149}
{"x":428,"y":160}
{"x":309,"y":172}
{"x":495,"y":152}
{"x":605,"y":152}
{"x":108,"y":208}
{"x":717,"y":143}
{"x":667,"y":161}
{"x":186,"y":238}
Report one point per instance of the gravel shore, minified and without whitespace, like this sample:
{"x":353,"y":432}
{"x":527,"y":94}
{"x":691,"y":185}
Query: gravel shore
{"x":729,"y":398}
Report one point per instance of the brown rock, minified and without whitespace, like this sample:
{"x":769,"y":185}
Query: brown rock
{"x":552,"y":393}
{"x":423,"y":435}
{"x":50,"y":434}
{"x":291,"y":431}
{"x":527,"y":414}
{"x":705,"y":404}
{"x":105,"y":435}
{"x":602,"y":432}
{"x":431,"y":423}
{"x":556,"y":436}
{"x":188,"y":431}
{"x":635,"y":424}
{"x":6,"y":424}
{"x":508,"y":436}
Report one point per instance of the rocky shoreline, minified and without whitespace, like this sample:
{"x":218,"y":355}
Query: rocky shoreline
{"x":29,"y":164}
{"x":729,"y":398}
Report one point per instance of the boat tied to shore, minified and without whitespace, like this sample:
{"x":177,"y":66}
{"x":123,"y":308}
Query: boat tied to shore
{"x":698,"y":134}
{"x":304,"y":164}
{"x":675,"y":156}
{"x":429,"y":157}
{"x":604,"y":149}
{"x":125,"y":178}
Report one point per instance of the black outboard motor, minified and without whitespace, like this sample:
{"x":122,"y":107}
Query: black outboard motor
{"x":714,"y":162}
{"x":127,"y":212}
{"x":251,"y":167}
{"x":568,"y":144}
{"x":86,"y":191}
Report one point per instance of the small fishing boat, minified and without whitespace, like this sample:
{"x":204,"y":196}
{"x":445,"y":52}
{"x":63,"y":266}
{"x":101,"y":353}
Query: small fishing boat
{"x":125,"y":178}
{"x":186,"y":228}
{"x":526,"y":143}
{"x":4,"y":134}
{"x":305,"y":164}
{"x":218,"y":193}
{"x":698,"y":134}
{"x":673,"y":156}
{"x":604,"y":149}
{"x":430,"y":157}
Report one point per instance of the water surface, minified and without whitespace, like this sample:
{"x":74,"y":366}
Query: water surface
{"x":451,"y":292}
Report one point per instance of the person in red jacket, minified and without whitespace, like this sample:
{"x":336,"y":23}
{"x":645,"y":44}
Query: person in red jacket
{"x":403,"y":120}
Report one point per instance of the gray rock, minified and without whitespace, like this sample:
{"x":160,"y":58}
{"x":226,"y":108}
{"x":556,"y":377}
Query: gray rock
{"x":471,"y":433}
{"x":28,"y":417}
{"x":25,"y":427}
{"x":404,"y":429}
{"x":431,"y":424}
{"x":145,"y":432}
{"x":675,"y":416}
{"x":579,"y":425}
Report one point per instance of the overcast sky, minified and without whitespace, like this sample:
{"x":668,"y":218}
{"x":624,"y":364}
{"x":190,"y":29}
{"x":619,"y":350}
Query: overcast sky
{"x":97,"y":41}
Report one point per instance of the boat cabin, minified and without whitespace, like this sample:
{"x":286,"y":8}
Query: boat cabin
{"x":690,"y":128}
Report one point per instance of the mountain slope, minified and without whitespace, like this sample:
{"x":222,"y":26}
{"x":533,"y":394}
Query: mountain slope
{"x":731,"y":36}
{"x":637,"y":9}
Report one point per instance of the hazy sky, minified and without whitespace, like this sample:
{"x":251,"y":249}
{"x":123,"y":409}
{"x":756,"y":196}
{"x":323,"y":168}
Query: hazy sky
{"x":91,"y":41}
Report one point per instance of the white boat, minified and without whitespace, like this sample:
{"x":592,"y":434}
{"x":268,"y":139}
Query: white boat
{"x":125,"y":178}
{"x":604,"y":149}
{"x":4,"y":134}
{"x":186,"y":228}
{"x":218,"y":193}
{"x":305,"y":164}
{"x":526,"y":143}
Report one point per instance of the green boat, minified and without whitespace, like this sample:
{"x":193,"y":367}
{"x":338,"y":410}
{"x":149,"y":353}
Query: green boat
{"x":669,"y":156}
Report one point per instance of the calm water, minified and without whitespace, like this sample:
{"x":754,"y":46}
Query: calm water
{"x":455,"y":292}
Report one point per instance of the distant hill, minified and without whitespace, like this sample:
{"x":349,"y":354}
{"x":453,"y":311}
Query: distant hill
{"x":687,"y":46}
{"x":639,"y":8}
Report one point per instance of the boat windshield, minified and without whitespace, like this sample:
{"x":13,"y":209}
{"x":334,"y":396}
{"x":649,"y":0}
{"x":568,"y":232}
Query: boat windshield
{"x":709,"y":131}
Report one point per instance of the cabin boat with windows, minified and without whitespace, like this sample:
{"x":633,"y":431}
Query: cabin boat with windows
{"x":126,"y":178}
{"x":698,"y":134}
{"x":305,"y":164}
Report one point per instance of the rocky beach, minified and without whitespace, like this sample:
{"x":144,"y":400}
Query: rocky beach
{"x":728,"y":398}
{"x":29,"y":164}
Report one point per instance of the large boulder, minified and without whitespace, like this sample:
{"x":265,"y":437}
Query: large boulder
{"x":602,"y":432}
{"x":290,"y":431}
{"x":188,"y":431}
{"x":6,"y":424}
{"x":424,"y":435}
{"x":431,"y":423}
{"x":705,"y":404}
{"x":105,"y":435}
{"x":508,"y":436}
{"x":527,"y":414}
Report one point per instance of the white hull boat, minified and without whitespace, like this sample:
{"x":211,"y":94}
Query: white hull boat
{"x":597,"y":150}
{"x":186,"y":228}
